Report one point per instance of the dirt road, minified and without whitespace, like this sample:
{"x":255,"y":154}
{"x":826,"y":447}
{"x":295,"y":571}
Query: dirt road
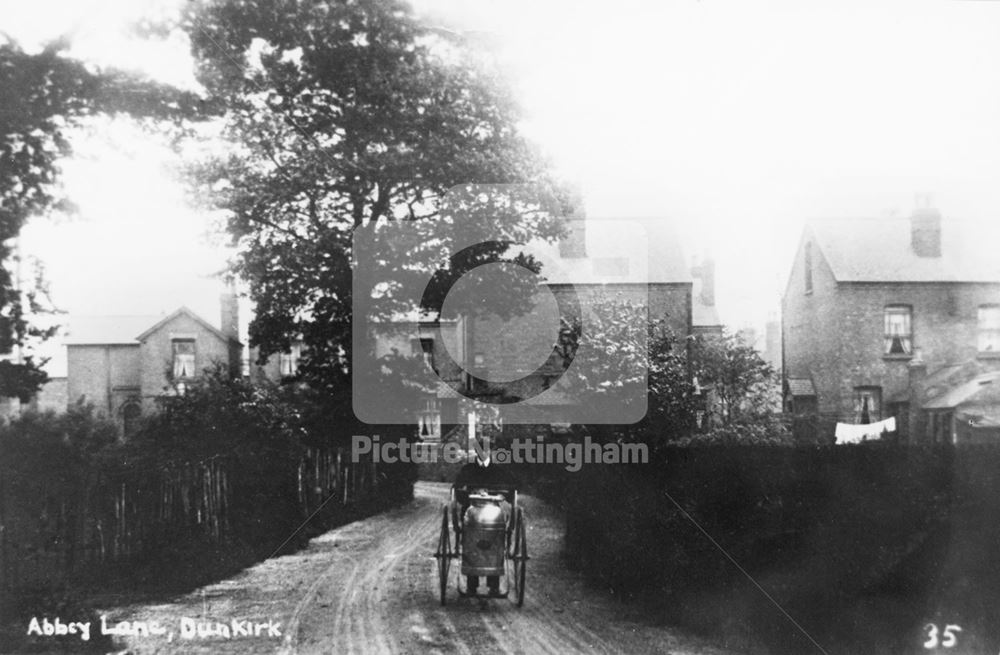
{"x":370,"y":587}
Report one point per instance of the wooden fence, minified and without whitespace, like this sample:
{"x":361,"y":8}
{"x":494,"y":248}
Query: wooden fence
{"x":98,"y":518}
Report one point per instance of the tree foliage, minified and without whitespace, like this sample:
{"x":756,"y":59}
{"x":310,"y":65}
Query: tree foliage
{"x":47,"y":437}
{"x":217,"y":414}
{"x":739,"y":377}
{"x":700,"y":390}
{"x":628,"y":357}
{"x":742,"y":390}
{"x":344,"y":115}
{"x":45,"y":95}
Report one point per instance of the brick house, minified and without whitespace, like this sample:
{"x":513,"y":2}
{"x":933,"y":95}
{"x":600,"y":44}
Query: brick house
{"x":121,"y":364}
{"x":891,"y":318}
{"x":276,"y":367}
{"x":591,"y":262}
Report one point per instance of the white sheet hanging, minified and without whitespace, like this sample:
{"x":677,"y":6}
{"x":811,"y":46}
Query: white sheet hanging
{"x":851,"y":433}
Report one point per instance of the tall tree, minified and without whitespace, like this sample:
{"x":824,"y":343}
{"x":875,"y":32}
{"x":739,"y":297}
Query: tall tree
{"x":347,"y":114}
{"x":743,"y":391}
{"x":740,"y":378}
{"x":44,"y":95}
{"x":628,"y":359}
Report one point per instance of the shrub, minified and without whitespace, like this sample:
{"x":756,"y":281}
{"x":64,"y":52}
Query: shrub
{"x":822,"y":529}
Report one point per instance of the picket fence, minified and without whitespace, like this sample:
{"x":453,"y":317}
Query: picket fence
{"x":49,"y":535}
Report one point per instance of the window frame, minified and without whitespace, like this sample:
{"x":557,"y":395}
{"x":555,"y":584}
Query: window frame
{"x":176,"y":369}
{"x":983,"y":329}
{"x":906,"y":339}
{"x":131,"y":414}
{"x":429,"y":418}
{"x":875,"y":414}
{"x":288,"y":363}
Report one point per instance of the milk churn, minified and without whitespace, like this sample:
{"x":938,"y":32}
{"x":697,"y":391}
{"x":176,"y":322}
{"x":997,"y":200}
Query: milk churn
{"x":483,"y":537}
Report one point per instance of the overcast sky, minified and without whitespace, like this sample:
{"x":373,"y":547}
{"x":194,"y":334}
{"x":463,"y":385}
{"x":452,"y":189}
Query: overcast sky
{"x":736,"y":121}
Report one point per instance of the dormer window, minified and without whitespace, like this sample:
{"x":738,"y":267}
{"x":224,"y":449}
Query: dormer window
{"x":809,"y":267}
{"x":183,"y":358}
{"x":898,"y":331}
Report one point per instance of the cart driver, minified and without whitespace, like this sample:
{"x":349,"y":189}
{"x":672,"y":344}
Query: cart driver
{"x":479,"y":474}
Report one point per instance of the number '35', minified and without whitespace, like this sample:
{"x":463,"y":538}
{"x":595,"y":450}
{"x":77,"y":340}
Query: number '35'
{"x":945,"y":638}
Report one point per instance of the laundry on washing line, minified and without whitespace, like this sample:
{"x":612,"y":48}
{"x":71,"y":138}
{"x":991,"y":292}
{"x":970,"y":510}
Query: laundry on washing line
{"x":851,"y":433}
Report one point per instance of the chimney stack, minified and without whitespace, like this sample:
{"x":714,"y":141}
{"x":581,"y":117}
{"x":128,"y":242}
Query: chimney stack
{"x":229,"y":311}
{"x":574,"y":246}
{"x":706,"y":273}
{"x":925,"y":231}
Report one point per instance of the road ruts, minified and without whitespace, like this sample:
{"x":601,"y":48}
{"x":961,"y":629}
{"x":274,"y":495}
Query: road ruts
{"x":371,"y":587}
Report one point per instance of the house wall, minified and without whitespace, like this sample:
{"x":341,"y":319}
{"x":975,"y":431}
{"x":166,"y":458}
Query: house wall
{"x":52,"y":396}
{"x":447,"y":346}
{"x":270,"y":370}
{"x":944,"y":319}
{"x":518,"y":351}
{"x":835,"y":334}
{"x":806,"y":318}
{"x":157,"y":354}
{"x":519,"y":347}
{"x":103,"y":375}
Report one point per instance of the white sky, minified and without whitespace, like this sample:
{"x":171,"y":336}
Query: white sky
{"x":737,"y":121}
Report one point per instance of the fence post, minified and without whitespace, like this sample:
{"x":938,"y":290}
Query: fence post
{"x":4,"y":559}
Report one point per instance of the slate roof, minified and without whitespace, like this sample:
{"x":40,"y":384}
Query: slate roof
{"x":982,"y":389}
{"x":879,"y":250}
{"x":445,"y":390}
{"x":981,"y":417}
{"x":551,"y":397}
{"x":800,"y":387}
{"x":184,"y":311}
{"x":107,"y":330}
{"x":124,"y":330}
{"x":618,"y":252}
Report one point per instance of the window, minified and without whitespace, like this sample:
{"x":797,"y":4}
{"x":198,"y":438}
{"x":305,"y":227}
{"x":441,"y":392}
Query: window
{"x":867,"y":405}
{"x":989,"y":329}
{"x":288,"y":363}
{"x":941,"y":427}
{"x":131,"y":414}
{"x":898,"y":331}
{"x":809,"y":267}
{"x":183,"y":358}
{"x":429,"y":419}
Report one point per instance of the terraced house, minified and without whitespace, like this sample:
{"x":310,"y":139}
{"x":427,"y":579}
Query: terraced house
{"x":894,"y":317}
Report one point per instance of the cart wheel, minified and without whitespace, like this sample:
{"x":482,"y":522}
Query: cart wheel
{"x":444,"y":555}
{"x":519,"y":556}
